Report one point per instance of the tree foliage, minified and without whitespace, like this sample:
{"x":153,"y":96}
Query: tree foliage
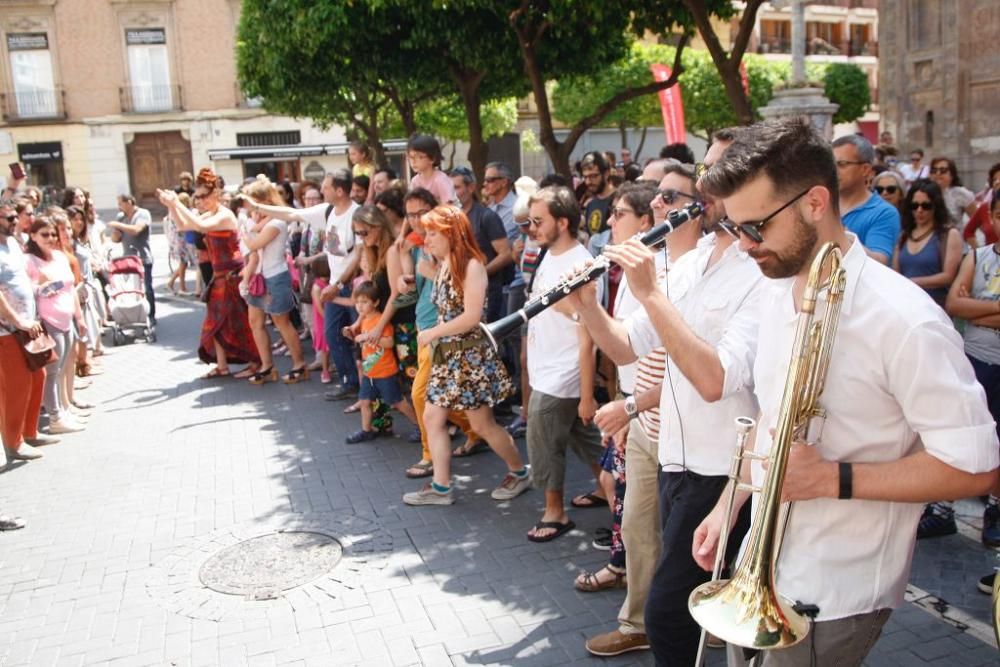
{"x":847,"y":85}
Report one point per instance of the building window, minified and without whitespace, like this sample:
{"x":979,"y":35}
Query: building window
{"x":149,"y":70}
{"x":35,"y":93}
{"x":775,"y":36}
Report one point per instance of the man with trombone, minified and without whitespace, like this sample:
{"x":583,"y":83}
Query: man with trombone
{"x":905,"y":420}
{"x":704,"y":314}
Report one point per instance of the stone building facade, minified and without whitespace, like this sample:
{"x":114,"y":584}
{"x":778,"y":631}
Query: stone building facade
{"x":940,"y":80}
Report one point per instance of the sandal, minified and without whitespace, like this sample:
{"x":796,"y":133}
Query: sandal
{"x":296,"y":375}
{"x":470,"y":449}
{"x":560,"y":529}
{"x":351,"y":409}
{"x":589,"y":583}
{"x":423,"y":469}
{"x":247,"y":372}
{"x":216,"y":373}
{"x":267,"y":375}
{"x":588,"y":500}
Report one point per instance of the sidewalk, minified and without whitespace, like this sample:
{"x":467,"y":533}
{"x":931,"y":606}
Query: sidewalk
{"x":124,"y":521}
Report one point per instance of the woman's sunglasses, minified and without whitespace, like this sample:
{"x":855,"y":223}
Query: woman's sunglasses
{"x":361,"y":232}
{"x":926,"y":205}
{"x":889,"y":189}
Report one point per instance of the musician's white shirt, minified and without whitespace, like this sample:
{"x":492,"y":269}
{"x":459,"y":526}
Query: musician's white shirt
{"x":720,"y":305}
{"x":553,"y":345}
{"x":898,"y":376}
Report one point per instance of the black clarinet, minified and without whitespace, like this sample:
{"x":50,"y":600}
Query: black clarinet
{"x":505,"y":326}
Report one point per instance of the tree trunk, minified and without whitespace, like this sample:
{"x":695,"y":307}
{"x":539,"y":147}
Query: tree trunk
{"x":738,"y":98}
{"x":468,"y":86}
{"x":642,"y":144}
{"x":623,"y":133}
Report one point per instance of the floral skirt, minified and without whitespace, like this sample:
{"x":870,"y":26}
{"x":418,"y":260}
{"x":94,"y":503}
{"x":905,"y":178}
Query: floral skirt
{"x":468,"y":379}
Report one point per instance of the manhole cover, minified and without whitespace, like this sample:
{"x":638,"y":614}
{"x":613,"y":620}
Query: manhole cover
{"x":261,"y":568}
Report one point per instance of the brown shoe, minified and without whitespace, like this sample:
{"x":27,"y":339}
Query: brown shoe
{"x":616,"y":643}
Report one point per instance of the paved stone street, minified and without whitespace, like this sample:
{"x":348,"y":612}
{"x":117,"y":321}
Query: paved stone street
{"x":174,"y":470}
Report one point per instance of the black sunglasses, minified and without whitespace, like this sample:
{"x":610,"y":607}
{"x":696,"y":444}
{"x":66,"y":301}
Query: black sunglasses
{"x":891,"y":189}
{"x":926,"y":205}
{"x":669,"y":196}
{"x":753,"y":227}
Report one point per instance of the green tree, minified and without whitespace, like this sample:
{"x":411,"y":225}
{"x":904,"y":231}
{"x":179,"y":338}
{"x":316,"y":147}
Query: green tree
{"x":707,"y":107}
{"x":847,"y":85}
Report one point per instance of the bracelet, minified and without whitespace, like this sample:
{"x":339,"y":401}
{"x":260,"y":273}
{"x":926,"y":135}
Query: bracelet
{"x":846,"y":481}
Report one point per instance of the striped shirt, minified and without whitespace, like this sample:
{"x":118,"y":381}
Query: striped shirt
{"x":648,"y":370}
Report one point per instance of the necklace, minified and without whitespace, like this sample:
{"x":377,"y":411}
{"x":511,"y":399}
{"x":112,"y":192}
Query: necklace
{"x":918,"y":239}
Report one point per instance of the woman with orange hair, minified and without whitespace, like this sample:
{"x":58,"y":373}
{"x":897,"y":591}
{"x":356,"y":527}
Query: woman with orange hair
{"x":466,"y":373}
{"x":225,"y":335}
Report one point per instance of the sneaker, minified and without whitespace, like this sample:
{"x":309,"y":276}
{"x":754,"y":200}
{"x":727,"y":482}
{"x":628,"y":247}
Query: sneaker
{"x":23,"y":453}
{"x":41,"y":439}
{"x":517,"y":428}
{"x":937,"y":521}
{"x":57,"y":426}
{"x":341,"y":392}
{"x":602,"y":539}
{"x":325,"y":377}
{"x":428,"y":496}
{"x":511,"y":487}
{"x":361,"y":436}
{"x":616,"y":643}
{"x":991,"y":526}
{"x":985,"y":584}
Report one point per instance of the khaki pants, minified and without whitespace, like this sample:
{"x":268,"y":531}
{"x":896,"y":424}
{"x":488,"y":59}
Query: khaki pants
{"x":640,"y":526}
{"x":419,"y":396}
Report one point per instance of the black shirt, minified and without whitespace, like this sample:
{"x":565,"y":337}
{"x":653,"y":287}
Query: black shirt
{"x":487,"y":227}
{"x":596,"y":214}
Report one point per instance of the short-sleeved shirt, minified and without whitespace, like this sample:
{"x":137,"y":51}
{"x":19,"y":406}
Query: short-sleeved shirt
{"x":487,"y":228}
{"x":983,"y":343}
{"x":138,"y":244}
{"x":956,"y":200}
{"x":339,"y":234}
{"x":15,"y":284}
{"x":377,"y":362}
{"x":57,"y":308}
{"x":876,"y":224}
{"x":596,"y":214}
{"x":439,"y":185}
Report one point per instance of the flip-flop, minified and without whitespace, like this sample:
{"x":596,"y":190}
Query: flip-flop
{"x":477,"y":447}
{"x":592,"y":501}
{"x":351,"y":409}
{"x":215,"y":373}
{"x":560,"y":529}
{"x":426,"y":469}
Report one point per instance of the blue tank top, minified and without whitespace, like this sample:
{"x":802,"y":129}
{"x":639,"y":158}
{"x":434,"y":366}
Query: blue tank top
{"x":927,"y":262}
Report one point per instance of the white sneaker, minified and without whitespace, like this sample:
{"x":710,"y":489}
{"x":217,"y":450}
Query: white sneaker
{"x":428,"y":496}
{"x":511,"y":487}
{"x":57,"y":427}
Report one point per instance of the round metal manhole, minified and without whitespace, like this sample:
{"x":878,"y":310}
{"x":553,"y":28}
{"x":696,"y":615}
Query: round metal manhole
{"x":263,"y":567}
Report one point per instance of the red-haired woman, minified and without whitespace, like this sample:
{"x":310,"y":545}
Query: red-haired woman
{"x":225,"y":335}
{"x":466,"y":373}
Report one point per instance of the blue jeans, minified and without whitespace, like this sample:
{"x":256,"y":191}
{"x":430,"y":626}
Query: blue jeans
{"x":150,"y":296}
{"x":336,"y":317}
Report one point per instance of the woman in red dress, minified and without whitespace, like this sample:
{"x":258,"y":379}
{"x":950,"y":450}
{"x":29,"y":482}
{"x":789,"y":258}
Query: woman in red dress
{"x":225,"y":335}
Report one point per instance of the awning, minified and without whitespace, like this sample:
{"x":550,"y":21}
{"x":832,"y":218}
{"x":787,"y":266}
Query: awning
{"x":277,"y":152}
{"x":390,"y":146}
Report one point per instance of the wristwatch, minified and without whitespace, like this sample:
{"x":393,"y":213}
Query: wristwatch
{"x":631,"y":409}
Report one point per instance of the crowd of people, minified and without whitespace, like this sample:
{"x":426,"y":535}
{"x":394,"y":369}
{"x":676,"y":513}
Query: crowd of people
{"x":639,"y":373}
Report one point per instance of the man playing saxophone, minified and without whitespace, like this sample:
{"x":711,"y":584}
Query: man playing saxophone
{"x":905,"y":420}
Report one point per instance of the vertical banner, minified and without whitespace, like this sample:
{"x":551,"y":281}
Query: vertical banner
{"x":671,"y":105}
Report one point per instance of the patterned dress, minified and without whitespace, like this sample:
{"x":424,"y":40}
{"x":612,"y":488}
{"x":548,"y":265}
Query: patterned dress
{"x":226,"y":313}
{"x":465,"y":379}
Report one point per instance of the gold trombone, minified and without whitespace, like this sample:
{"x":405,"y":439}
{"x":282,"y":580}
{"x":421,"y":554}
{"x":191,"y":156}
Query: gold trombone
{"x":746,"y":610}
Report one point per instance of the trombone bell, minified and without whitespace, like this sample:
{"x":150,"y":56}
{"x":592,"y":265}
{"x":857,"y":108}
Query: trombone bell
{"x":759,"y":620}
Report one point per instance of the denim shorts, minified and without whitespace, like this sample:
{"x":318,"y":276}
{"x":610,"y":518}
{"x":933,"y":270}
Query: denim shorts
{"x":385,"y":388}
{"x":277,"y":298}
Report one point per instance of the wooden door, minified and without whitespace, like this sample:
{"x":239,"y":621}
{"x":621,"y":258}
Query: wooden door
{"x":154,"y":161}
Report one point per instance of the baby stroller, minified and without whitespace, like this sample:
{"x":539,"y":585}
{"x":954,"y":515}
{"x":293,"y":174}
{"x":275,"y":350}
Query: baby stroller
{"x":127,"y":300}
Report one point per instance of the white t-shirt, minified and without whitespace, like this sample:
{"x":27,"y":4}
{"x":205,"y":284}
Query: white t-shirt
{"x":272,"y":256}
{"x":339,"y":234}
{"x":625,"y":305}
{"x":898,"y":383}
{"x":553,"y":346}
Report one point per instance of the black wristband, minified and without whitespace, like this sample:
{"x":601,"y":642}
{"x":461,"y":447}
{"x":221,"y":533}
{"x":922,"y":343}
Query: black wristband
{"x":846,"y":481}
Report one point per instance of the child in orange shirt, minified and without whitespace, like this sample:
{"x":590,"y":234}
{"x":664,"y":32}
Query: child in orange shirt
{"x":378,"y":362}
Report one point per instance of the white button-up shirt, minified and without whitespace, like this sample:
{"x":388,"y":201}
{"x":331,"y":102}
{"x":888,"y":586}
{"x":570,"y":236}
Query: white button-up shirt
{"x":720,"y":304}
{"x":898,"y":382}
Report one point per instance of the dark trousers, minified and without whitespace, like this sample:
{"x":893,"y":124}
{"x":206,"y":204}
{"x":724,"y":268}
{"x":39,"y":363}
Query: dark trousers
{"x":336,"y":317}
{"x":685,"y":500}
{"x":150,"y":296}
{"x":989,"y":376}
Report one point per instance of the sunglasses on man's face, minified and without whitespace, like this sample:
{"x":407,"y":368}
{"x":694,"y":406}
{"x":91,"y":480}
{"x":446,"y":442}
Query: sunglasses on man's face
{"x":669,"y":196}
{"x":752,"y":228}
{"x":925,"y":205}
{"x":888,"y":189}
{"x":10,"y":218}
{"x":940,"y":170}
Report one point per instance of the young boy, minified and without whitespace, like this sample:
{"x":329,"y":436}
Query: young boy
{"x":378,"y":363}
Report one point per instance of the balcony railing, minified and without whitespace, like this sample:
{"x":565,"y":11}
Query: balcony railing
{"x":29,"y":105}
{"x":150,"y":99}
{"x":818,"y":46}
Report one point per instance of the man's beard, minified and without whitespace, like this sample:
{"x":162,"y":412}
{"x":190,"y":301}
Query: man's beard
{"x":599,"y":187}
{"x":790,"y":262}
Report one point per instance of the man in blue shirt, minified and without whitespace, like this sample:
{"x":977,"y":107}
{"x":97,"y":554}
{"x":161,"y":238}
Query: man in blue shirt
{"x":867,"y":215}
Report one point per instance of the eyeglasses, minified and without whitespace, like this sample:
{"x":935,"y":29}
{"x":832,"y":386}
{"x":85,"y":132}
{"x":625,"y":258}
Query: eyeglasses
{"x":493,"y":179}
{"x":940,"y":170}
{"x":10,"y":218}
{"x":618,"y":211}
{"x":361,"y":232}
{"x":843,"y":164}
{"x":669,"y":196}
{"x":925,"y":205}
{"x":888,"y":189}
{"x":534,"y":222}
{"x":47,"y":235}
{"x":752,"y":228}
{"x":417,"y":215}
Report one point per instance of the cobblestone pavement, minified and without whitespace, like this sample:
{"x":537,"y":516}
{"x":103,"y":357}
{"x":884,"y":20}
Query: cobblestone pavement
{"x":174,"y":469}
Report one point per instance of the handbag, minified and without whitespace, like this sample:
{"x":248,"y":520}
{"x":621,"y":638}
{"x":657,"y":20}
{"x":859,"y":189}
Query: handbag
{"x":39,"y":351}
{"x":256,"y":287}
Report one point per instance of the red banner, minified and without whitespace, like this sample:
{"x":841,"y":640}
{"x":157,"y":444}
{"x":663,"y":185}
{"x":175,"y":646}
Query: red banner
{"x":672,"y":106}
